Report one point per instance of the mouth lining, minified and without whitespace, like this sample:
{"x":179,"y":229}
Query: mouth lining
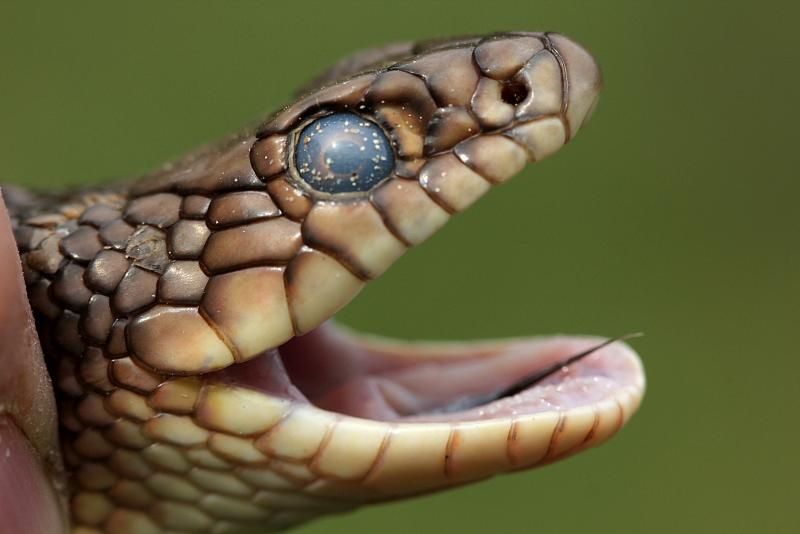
{"x":387,"y":380}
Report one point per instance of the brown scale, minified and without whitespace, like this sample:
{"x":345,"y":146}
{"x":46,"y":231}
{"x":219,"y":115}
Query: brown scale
{"x":213,"y":246}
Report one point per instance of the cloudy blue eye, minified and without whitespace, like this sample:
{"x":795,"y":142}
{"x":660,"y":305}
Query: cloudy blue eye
{"x":343,"y":153}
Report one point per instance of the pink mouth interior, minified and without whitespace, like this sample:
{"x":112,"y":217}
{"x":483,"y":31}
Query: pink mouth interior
{"x":385,"y":380}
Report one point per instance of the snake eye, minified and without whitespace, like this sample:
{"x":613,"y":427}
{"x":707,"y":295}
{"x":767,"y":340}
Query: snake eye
{"x":343,"y":153}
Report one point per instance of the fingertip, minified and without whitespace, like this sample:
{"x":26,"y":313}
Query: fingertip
{"x":28,"y":501}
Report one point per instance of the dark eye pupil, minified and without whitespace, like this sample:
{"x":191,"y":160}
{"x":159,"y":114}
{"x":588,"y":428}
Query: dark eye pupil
{"x":343,"y":153}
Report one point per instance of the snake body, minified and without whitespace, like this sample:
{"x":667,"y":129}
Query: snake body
{"x":170,"y":310}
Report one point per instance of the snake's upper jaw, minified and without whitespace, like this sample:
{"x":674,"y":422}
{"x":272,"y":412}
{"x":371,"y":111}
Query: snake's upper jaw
{"x":355,"y":174}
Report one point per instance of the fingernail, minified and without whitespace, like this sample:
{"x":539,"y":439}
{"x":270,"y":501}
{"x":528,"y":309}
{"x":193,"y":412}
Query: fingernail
{"x":27,"y":501}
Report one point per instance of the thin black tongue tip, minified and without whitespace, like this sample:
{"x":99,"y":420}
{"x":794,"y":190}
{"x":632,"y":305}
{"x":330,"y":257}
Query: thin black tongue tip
{"x":467,"y":403}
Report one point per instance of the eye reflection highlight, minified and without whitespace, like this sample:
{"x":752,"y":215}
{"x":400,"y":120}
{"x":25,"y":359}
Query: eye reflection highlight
{"x":343,"y":153}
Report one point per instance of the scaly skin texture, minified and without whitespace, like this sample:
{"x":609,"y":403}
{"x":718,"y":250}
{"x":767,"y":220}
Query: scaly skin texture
{"x":144,"y":294}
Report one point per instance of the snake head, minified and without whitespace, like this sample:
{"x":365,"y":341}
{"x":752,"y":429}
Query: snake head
{"x":226,"y":265}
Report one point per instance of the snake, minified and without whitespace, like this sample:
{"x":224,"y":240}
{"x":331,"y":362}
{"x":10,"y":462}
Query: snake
{"x":186,"y":316}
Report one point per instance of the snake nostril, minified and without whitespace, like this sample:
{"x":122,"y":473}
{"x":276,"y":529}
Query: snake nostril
{"x":514,"y":92}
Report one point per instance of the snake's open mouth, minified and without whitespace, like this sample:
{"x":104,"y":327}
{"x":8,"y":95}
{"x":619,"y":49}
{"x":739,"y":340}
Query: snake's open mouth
{"x":385,"y":380}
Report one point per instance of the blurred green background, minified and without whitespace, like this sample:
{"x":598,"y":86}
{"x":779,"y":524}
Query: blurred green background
{"x":673,"y":213}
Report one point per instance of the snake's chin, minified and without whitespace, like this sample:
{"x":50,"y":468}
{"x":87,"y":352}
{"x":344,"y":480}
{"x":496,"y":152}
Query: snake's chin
{"x":387,"y":380}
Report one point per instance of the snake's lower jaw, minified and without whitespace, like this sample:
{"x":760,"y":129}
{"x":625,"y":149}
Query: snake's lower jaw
{"x":357,"y":419}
